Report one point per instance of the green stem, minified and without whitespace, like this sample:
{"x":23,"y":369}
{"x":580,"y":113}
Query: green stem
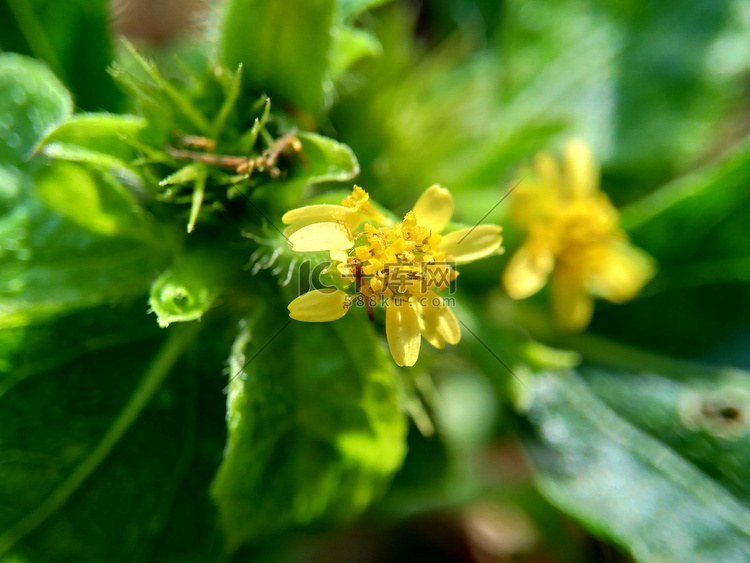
{"x":188,"y":110}
{"x":228,"y":105}
{"x":34,"y":34}
{"x":596,"y":348}
{"x":157,"y":372}
{"x":199,"y":192}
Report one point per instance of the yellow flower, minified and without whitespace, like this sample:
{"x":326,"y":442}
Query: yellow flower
{"x":573,"y":235}
{"x":404,"y":265}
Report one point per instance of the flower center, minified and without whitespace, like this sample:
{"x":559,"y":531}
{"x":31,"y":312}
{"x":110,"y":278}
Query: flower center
{"x":403,"y":260}
{"x":578,"y":229}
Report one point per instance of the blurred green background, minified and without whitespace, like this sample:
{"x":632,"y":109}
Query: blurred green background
{"x":640,"y":451}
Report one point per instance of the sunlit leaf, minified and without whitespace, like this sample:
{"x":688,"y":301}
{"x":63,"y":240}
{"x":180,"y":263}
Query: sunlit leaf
{"x":325,"y":160}
{"x":353,"y":8}
{"x":315,"y":430}
{"x":100,"y":132}
{"x":653,"y":463}
{"x":32,"y":101}
{"x":351,"y":45}
{"x":283,"y":47}
{"x":50,"y":264}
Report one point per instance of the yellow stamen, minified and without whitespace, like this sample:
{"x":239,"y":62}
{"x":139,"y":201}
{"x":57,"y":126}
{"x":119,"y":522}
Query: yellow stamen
{"x":359,"y":200}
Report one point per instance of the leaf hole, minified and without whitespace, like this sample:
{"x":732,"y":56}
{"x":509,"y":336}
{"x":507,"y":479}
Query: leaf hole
{"x":722,"y":413}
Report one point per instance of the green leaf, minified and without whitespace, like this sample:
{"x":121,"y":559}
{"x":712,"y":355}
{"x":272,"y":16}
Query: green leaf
{"x":99,"y":132}
{"x":32,"y":101}
{"x":151,"y":83}
{"x":74,"y":153}
{"x":325,"y":160}
{"x":624,"y":452}
{"x":73,"y":38}
{"x":711,"y":408}
{"x":247,"y":141}
{"x":666,"y":120}
{"x":350,"y":9}
{"x":97,"y":439}
{"x":185,"y":175}
{"x":232,"y":95}
{"x":673,"y":220}
{"x":49,"y":264}
{"x":315,"y":428}
{"x":350,"y":45}
{"x":283,"y":47}
{"x":199,"y":193}
{"x":96,"y":201}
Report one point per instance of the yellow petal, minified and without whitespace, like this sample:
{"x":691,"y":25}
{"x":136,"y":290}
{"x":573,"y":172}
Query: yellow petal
{"x":581,"y":172}
{"x":548,"y":171}
{"x":339,"y":255}
{"x":471,"y":243}
{"x":434,"y":208}
{"x":621,"y":272}
{"x":303,"y":216}
{"x":402,"y":331}
{"x":431,"y":334}
{"x":533,"y":200}
{"x":320,"y":306}
{"x":527,"y":271}
{"x":321,"y":236}
{"x":572,"y":307}
{"x":437,"y":322}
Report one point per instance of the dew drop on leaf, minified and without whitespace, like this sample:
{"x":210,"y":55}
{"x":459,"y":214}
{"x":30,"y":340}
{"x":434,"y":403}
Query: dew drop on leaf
{"x":36,"y":121}
{"x":16,"y":286}
{"x":555,"y":431}
{"x":13,"y":140}
{"x":11,"y":244}
{"x":19,"y":95}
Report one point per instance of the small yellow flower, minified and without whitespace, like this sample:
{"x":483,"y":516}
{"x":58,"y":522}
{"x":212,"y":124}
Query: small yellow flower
{"x":404,"y":265}
{"x":573,"y":235}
